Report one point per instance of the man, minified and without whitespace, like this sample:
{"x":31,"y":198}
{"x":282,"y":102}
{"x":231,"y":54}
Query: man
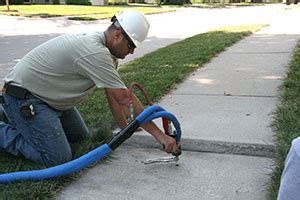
{"x":290,"y":179}
{"x":41,"y":91}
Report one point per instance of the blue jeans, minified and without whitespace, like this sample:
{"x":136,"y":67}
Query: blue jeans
{"x":43,"y":137}
{"x":290,"y":178}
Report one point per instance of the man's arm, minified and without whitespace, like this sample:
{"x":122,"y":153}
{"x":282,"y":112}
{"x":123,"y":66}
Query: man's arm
{"x":118,"y":100}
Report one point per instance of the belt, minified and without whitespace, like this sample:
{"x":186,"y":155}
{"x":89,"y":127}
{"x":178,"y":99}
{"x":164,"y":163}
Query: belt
{"x":15,"y":91}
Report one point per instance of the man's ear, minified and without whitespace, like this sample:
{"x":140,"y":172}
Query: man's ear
{"x":117,"y":35}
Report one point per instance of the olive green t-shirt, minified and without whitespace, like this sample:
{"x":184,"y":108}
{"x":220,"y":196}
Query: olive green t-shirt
{"x":62,"y":71}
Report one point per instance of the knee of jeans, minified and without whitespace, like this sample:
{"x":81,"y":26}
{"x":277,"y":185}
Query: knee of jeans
{"x":78,"y":136}
{"x":57,"y":158}
{"x":295,"y":147}
{"x":84,"y":134}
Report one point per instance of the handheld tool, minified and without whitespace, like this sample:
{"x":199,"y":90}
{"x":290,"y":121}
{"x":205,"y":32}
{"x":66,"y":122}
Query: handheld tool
{"x":167,"y":126}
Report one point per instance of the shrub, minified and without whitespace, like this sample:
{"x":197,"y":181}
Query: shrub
{"x":16,"y":2}
{"x":56,"y":2}
{"x":117,"y":2}
{"x":78,"y":2}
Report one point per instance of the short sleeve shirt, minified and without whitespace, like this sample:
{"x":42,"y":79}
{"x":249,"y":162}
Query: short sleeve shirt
{"x":62,"y":71}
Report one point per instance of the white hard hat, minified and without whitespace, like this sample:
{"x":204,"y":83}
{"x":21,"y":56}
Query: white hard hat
{"x":134,"y":24}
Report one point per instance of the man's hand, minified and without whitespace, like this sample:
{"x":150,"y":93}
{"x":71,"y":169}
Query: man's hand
{"x":168,"y":143}
{"x":119,"y":99}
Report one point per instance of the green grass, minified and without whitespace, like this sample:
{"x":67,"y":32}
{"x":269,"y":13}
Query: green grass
{"x":75,"y":11}
{"x":222,"y":5}
{"x":158,"y":72}
{"x":286,"y":121}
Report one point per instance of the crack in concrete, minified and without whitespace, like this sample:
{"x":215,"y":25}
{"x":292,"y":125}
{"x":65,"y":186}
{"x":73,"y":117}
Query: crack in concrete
{"x":260,"y":52}
{"x":228,"y":95}
{"x":210,"y":146}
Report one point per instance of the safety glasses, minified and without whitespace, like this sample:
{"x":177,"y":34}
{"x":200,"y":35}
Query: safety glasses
{"x":130,"y":44}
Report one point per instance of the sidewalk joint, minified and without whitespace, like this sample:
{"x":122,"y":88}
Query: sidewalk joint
{"x":228,"y":95}
{"x":259,"y":52}
{"x":210,"y":146}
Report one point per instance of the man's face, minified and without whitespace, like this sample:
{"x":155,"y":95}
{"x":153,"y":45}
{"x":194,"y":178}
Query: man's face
{"x":122,"y":46}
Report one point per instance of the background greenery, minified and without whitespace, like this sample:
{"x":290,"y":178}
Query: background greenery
{"x":78,"y":11}
{"x":286,"y":122}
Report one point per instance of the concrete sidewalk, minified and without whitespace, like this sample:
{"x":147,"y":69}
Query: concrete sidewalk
{"x":224,"y":107}
{"x":198,"y":176}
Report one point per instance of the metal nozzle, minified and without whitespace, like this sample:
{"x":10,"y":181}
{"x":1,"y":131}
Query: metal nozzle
{"x":131,"y":110}
{"x":162,"y":160}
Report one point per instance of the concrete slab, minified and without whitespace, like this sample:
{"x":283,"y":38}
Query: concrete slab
{"x":222,"y":118}
{"x":231,"y":99}
{"x":238,"y":74}
{"x":199,"y":176}
{"x":254,"y":66}
{"x":262,"y":42}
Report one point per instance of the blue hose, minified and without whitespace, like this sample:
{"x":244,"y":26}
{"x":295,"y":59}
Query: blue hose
{"x":147,"y":115}
{"x":147,"y":112}
{"x":170,"y":117}
{"x":59,"y":170}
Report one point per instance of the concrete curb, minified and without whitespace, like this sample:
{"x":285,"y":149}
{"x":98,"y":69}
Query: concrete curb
{"x":198,"y":145}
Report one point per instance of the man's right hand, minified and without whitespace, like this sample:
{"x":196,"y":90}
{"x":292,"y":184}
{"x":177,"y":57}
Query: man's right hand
{"x":168,"y":143}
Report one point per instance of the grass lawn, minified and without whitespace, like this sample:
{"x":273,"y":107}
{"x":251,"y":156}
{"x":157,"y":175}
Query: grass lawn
{"x":222,"y":5}
{"x":76,"y":11}
{"x":158,"y":72}
{"x":287,"y":119}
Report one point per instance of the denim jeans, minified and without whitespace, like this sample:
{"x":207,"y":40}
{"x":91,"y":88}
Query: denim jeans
{"x":290,"y":178}
{"x":43,"y":137}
